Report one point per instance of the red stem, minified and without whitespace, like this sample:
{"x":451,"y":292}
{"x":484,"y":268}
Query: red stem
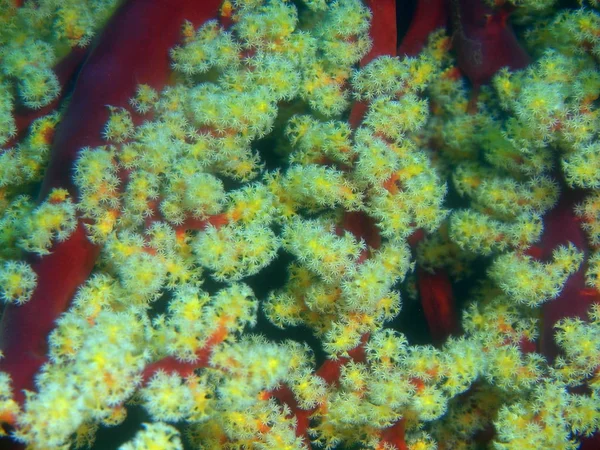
{"x":429,"y":16}
{"x":383,"y":29}
{"x":133,"y":49}
{"x":561,"y":226}
{"x":438,"y":304}
{"x":484,"y":40}
{"x":383,"y":36}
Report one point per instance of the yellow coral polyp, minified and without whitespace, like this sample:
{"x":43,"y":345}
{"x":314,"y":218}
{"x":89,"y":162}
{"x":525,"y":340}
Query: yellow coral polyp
{"x":247,"y":163}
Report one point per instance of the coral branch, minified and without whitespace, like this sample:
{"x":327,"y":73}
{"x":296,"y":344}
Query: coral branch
{"x":429,"y":16}
{"x":484,"y":41}
{"x":133,"y":49}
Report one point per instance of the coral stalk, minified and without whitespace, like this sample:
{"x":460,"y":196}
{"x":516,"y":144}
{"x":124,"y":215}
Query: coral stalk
{"x":132,"y":49}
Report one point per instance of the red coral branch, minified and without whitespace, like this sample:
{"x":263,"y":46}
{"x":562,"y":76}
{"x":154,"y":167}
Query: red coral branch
{"x":438,"y":304}
{"x":383,"y":29}
{"x":429,"y":16}
{"x":484,"y":40}
{"x":561,"y":226}
{"x":133,"y":49}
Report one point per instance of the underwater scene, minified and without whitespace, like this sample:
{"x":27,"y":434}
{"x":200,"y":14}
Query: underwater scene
{"x":300,"y":224}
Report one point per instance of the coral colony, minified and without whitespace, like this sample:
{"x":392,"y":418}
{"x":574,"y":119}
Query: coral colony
{"x":210,"y":211}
